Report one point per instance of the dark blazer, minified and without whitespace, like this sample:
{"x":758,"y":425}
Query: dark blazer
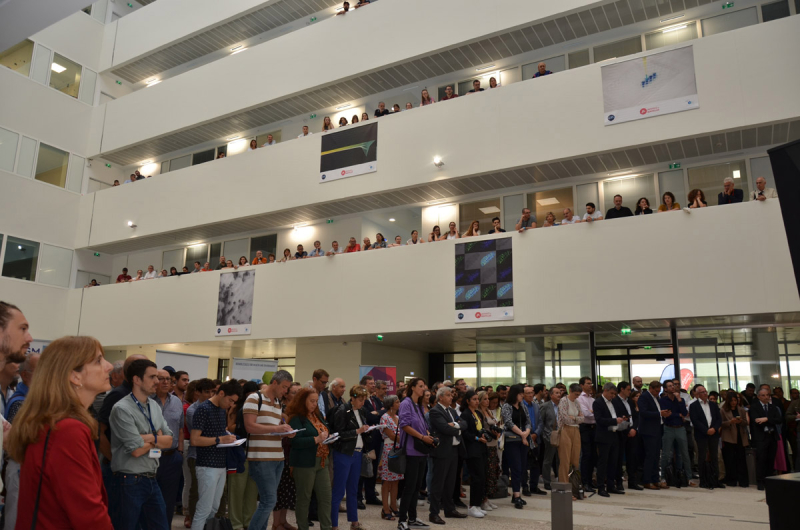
{"x":619,"y":406}
{"x":344,"y":423}
{"x":304,"y":448}
{"x":738,"y":196}
{"x":548,"y":419}
{"x":773,"y":420}
{"x":439,"y":420}
{"x":649,"y":417}
{"x":373,"y":404}
{"x":604,"y":420}
{"x":475,"y":448}
{"x":699,"y":421}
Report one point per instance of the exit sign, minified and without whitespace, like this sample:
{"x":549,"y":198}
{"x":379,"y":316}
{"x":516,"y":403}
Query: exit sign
{"x":313,"y":116}
{"x":727,"y":5}
{"x":676,"y":165}
{"x":625,"y":331}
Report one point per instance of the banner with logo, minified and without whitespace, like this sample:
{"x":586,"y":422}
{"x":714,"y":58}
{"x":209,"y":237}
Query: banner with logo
{"x":235,"y":303}
{"x":261,"y":369}
{"x":349,"y":152}
{"x":381,"y":373}
{"x":484,"y":281}
{"x":37,"y":346}
{"x":660,"y":83}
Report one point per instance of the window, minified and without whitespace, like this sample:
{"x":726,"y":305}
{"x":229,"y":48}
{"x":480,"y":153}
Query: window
{"x":511,"y":75}
{"x":21,"y":259}
{"x":55,"y":266}
{"x":51,"y":165}
{"x":266,"y":244}
{"x":203,"y":157}
{"x":87,"y":10}
{"x":631,"y":189}
{"x":18,"y":58}
{"x":65,"y":75}
{"x":775,"y":10}
{"x":481,"y":211}
{"x":512,"y":210}
{"x":233,"y":250}
{"x":216,"y":252}
{"x":730,"y":21}
{"x":179,"y":163}
{"x":8,"y":149}
{"x":586,"y":193}
{"x":671,"y":181}
{"x":222,"y":149}
{"x":709,"y":179}
{"x":543,"y":202}
{"x":670,"y":35}
{"x":89,"y":83}
{"x":578,"y":58}
{"x":172,"y":258}
{"x":761,"y":167}
{"x":554,"y":64}
{"x":620,"y":48}
{"x":196,"y":253}
{"x":276,"y":136}
{"x":26,"y":157}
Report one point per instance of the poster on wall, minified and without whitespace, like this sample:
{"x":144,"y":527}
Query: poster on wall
{"x":349,"y":152}
{"x":381,"y":373}
{"x":250,"y":369}
{"x":661,"y":83}
{"x":37,"y":346}
{"x":235,"y":303}
{"x":687,"y":376}
{"x":484,"y":281}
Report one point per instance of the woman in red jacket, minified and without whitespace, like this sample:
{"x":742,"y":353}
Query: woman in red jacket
{"x":62,"y":488}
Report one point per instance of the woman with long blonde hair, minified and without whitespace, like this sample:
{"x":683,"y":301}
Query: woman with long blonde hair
{"x":474,"y":229}
{"x":61,"y":485}
{"x":327,"y":125}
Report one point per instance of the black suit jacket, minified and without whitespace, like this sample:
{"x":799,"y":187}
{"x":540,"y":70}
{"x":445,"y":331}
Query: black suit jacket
{"x":699,"y":421}
{"x":475,"y":448}
{"x":439,"y":421}
{"x":344,"y":423}
{"x":649,"y":417}
{"x":373,"y":404}
{"x":604,"y":420}
{"x":619,"y":406}
{"x":773,"y":420}
{"x":738,"y":196}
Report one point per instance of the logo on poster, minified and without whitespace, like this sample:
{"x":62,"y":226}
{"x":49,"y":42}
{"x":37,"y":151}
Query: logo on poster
{"x":643,"y":112}
{"x":323,"y":177}
{"x":478,"y":315}
{"x":347,"y":172}
{"x":219,"y":330}
{"x":610,"y":118}
{"x":461,"y":316}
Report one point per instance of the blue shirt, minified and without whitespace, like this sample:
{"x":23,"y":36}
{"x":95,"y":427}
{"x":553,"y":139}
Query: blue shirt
{"x":533,"y":414}
{"x":316,"y":252}
{"x":677,"y":406}
{"x":539,"y":74}
{"x":211,"y":421}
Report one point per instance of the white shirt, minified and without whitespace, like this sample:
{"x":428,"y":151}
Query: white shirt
{"x":273,"y":142}
{"x":359,"y":441}
{"x":707,"y":411}
{"x":451,"y":236}
{"x":658,"y":406}
{"x":627,"y":405}
{"x":596,"y":215}
{"x":769,"y":193}
{"x":575,"y":219}
{"x":335,"y":251}
{"x":302,"y":135}
{"x":450,"y":415}
{"x":613,"y":412}
{"x":411,"y":242}
{"x":150,"y":275}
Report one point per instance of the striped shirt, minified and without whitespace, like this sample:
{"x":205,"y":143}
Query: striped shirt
{"x":264,"y":447}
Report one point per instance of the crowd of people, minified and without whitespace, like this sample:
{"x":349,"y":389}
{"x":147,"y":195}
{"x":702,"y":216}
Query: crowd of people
{"x":128,"y":445}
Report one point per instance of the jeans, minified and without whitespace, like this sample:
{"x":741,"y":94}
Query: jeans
{"x":346,"y":472}
{"x":12,"y":494}
{"x":675,"y":436}
{"x":210,"y":484}
{"x":243,"y":498}
{"x":517,"y":453}
{"x":267,"y":475}
{"x":169,"y":478}
{"x":308,"y":480}
{"x":429,"y":478}
{"x":138,"y":501}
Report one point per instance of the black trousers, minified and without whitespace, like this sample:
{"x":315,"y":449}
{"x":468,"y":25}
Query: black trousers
{"x":689,"y":435}
{"x":735,"y":464}
{"x":765,"y":456}
{"x":414,"y":477}
{"x":627,"y":451}
{"x":607,"y":464}
{"x":443,"y":482}
{"x":708,"y":445}
{"x":535,"y":454}
{"x":457,"y":484}
{"x":477,"y":480}
{"x":652,"y":455}
{"x":588,"y":453}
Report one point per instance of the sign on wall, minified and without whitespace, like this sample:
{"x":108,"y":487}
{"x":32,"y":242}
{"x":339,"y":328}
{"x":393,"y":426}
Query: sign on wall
{"x":37,"y":346}
{"x":349,"y":152}
{"x":261,"y":369}
{"x":235,"y":303}
{"x":484,"y":281}
{"x":660,"y":83}
{"x":381,"y":373}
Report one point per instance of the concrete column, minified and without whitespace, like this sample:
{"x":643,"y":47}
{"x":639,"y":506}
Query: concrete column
{"x":534,"y":360}
{"x":765,"y":359}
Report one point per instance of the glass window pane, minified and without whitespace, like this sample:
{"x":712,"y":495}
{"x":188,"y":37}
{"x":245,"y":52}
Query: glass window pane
{"x":761,"y":167}
{"x":233,"y":250}
{"x":578,"y":58}
{"x":179,"y":163}
{"x":164,"y":167}
{"x":51,"y":165}
{"x":172,"y":258}
{"x":65,"y":75}
{"x":8,"y":149}
{"x":709,"y":179}
{"x":216,"y":252}
{"x":89,"y":82}
{"x":543,"y":202}
{"x":18,"y":57}
{"x":261,"y":139}
{"x":586,"y":193}
{"x":203,"y":156}
{"x":26,"y":154}
{"x":266,"y":244}
{"x":512,"y":209}
{"x":631,"y":189}
{"x":554,"y":64}
{"x":21,"y":259}
{"x":730,"y":21}
{"x":87,"y":10}
{"x":75,"y":173}
{"x":41,"y":64}
{"x":196,"y":253}
{"x":671,"y":181}
{"x":670,"y":35}
{"x":511,"y":75}
{"x":775,"y":10}
{"x":55,"y":266}
{"x":481,"y":211}
{"x":620,"y":48}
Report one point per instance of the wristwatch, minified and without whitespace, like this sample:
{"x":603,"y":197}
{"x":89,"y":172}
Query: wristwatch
{"x":217,"y":440}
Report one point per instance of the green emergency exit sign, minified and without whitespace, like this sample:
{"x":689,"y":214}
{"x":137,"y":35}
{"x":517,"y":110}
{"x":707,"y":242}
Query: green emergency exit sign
{"x":675,"y":165}
{"x":727,"y":5}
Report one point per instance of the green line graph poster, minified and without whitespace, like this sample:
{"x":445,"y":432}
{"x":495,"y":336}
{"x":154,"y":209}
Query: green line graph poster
{"x":348,"y":152}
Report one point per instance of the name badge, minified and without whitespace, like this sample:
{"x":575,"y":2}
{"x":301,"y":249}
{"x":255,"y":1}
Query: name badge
{"x":155,"y":453}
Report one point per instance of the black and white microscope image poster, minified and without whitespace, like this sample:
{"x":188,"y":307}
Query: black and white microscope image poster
{"x":235,"y":303}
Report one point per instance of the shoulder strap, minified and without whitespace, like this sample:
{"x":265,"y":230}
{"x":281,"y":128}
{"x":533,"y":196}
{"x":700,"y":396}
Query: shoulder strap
{"x":41,"y":479}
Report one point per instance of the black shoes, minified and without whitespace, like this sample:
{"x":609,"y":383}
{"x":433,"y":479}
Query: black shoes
{"x":455,"y":515}
{"x":760,"y":487}
{"x":435,"y":519}
{"x":361,"y":505}
{"x":526,"y":492}
{"x":635,"y":487}
{"x":602,"y":492}
{"x":547,"y":487}
{"x":459,"y":504}
{"x":537,"y":491}
{"x":374,"y":502}
{"x":588,"y":488}
{"x":617,"y":491}
{"x":517,"y":502}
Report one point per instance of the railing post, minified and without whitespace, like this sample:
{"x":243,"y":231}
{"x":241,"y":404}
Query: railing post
{"x":561,"y":506}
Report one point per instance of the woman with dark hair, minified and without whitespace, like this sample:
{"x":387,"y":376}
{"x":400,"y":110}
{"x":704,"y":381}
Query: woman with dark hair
{"x":61,"y":485}
{"x":364,"y":116}
{"x":475,"y":440}
{"x":643,"y":207}
{"x":452,"y":234}
{"x":389,"y":480}
{"x":380,"y":241}
{"x":418,"y":444}
{"x":354,"y":119}
{"x":435,"y":235}
{"x":426,"y":99}
{"x":173,"y":271}
{"x":242,"y":489}
{"x":342,"y":121}
{"x":350,"y":421}
{"x":253,"y":145}
{"x":243,"y":261}
{"x":287,"y":255}
{"x":697,"y":199}
{"x":493,"y":461}
{"x":517,"y":426}
{"x":286,"y":490}
{"x":734,"y":439}
{"x":221,"y":155}
{"x":668,"y":203}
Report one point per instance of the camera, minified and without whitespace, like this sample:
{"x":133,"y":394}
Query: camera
{"x":435,"y":441}
{"x":488,"y":435}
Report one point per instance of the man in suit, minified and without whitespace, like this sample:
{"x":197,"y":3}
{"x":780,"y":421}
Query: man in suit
{"x":607,"y":440}
{"x":446,"y":426}
{"x":762,"y":192}
{"x":549,"y":418}
{"x":729,"y":194}
{"x":627,"y":437}
{"x":765,"y":419}
{"x":373,"y":407}
{"x":533,"y":451}
{"x":707,"y":423}
{"x":651,"y":421}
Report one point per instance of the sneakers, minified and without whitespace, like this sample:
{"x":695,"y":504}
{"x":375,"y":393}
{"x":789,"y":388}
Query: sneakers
{"x":493,"y":505}
{"x":416,"y":523}
{"x":402,"y":526}
{"x":476,"y":512}
{"x":485,"y":507}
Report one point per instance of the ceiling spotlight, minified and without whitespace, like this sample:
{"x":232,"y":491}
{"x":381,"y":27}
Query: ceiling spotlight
{"x":340,"y":107}
{"x":130,"y":223}
{"x":239,"y":51}
{"x":19,"y":247}
{"x":237,"y":47}
{"x":57,"y":68}
{"x":391,"y":219}
{"x":153,"y":82}
{"x":438,"y":162}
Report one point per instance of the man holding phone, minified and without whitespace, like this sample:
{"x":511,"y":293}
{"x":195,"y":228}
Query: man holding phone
{"x":627,"y":437}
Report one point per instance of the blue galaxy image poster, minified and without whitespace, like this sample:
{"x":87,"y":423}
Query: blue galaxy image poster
{"x":484,"y":281}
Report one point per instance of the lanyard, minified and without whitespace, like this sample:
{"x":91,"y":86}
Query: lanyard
{"x":147,"y":415}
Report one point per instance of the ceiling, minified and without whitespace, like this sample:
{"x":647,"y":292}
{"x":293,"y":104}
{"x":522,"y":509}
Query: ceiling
{"x":442,"y":62}
{"x":595,"y":164}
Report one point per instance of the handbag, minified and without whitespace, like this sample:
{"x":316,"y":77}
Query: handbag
{"x":366,"y":466}
{"x":218,"y":523}
{"x":41,"y":478}
{"x":577,"y":484}
{"x":555,"y":437}
{"x":396,"y":459}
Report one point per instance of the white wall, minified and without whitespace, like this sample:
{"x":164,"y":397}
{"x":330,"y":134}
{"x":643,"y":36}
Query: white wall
{"x":341,"y":230}
{"x":51,"y":311}
{"x":409,"y":141}
{"x":407,"y":361}
{"x":85,"y":260}
{"x":419,"y":280}
{"x":78,"y":37}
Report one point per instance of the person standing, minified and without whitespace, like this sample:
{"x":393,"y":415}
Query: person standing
{"x":588,"y":448}
{"x":707,"y":423}
{"x":733,"y":431}
{"x":138,"y":435}
{"x":549,"y":414}
{"x":418,"y":444}
{"x":651,"y":421}
{"x":242,"y":489}
{"x":373,"y":410}
{"x":475,"y":438}
{"x":517,"y":427}
{"x":607,"y":440}
{"x":531,"y":402}
{"x":448,"y":427}
{"x":350,"y":422}
{"x":765,"y":419}
{"x":67,"y":479}
{"x":389,"y":479}
{"x":628,"y":440}
{"x":170,"y":465}
{"x":204,"y":389}
{"x":570,"y":417}
{"x":674,"y":433}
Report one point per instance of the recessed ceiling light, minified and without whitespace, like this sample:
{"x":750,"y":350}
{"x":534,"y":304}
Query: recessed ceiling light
{"x":19,"y":247}
{"x":482,"y":68}
{"x":490,"y":209}
{"x":237,"y":47}
{"x":238,"y":51}
{"x":57,"y":68}
{"x":619,"y":173}
{"x":547,"y":202}
{"x":673,"y":28}
{"x":672,"y":18}
{"x":153,"y":82}
{"x":146,"y":162}
{"x":391,"y":219}
{"x":737,"y":174}
{"x":233,"y":138}
{"x":340,"y":107}
{"x":438,"y":162}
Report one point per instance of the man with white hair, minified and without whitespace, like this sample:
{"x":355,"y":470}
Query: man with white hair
{"x":447,"y":426}
{"x":730,"y":194}
{"x":762,"y":192}
{"x":569,"y":218}
{"x":333,"y":397}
